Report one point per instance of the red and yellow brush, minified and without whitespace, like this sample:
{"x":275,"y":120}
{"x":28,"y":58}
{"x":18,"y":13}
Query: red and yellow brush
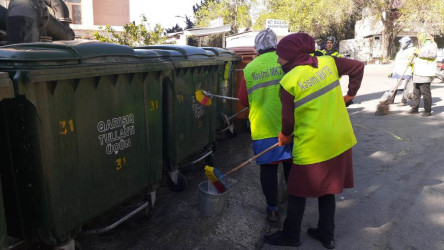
{"x":204,"y":97}
{"x":219,"y":180}
{"x":216,"y":178}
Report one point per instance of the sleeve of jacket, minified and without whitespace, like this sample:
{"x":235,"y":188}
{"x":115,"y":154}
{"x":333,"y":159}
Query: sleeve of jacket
{"x":287,"y":112}
{"x":355,"y":71}
{"x":242,"y":93}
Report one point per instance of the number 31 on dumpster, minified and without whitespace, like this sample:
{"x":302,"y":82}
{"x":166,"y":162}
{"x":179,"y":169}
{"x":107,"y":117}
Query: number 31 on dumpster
{"x":66,"y":127}
{"x":120,"y":163}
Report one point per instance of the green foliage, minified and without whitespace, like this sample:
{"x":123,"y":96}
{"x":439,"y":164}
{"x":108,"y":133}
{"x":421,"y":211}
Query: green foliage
{"x":133,"y":34}
{"x":316,"y":17}
{"x":422,"y":15}
{"x":233,"y":12}
{"x":408,"y":15}
{"x":175,"y":28}
{"x":320,"y":18}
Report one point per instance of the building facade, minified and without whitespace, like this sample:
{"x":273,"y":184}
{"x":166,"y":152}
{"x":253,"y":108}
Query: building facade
{"x":89,"y":15}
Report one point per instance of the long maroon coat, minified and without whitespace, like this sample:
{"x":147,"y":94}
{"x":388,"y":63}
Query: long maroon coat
{"x":331,"y":176}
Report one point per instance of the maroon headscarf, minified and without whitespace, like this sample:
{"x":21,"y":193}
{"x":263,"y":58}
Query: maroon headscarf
{"x":296,"y":48}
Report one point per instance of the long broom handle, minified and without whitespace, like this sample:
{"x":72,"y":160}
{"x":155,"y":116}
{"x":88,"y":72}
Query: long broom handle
{"x":400,"y":79}
{"x":238,"y":113}
{"x":252,"y":159}
{"x":219,"y":96}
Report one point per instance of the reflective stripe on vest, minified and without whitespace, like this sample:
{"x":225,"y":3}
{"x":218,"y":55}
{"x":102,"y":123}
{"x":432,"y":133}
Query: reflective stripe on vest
{"x":262,"y":76}
{"x":316,"y":94}
{"x":322,"y":128}
{"x":335,"y":54}
{"x":263,"y":85}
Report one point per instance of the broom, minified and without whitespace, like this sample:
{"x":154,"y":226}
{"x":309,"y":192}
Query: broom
{"x":204,"y":97}
{"x":383,"y":107}
{"x":219,"y":180}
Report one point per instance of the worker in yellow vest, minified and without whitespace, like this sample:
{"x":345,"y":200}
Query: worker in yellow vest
{"x":260,"y":92}
{"x":423,"y":73}
{"x":315,"y":120}
{"x":330,"y":48}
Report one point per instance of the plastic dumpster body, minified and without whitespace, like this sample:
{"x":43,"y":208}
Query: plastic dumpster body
{"x":3,"y":230}
{"x":189,"y":126}
{"x":226,"y":85}
{"x":6,"y":91}
{"x":83,"y":133}
{"x":247,"y":54}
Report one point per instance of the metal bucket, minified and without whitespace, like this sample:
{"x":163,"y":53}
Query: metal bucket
{"x":210,"y":203}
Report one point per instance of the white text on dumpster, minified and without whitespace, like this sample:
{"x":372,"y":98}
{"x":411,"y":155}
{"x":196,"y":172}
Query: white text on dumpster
{"x":116,"y":133}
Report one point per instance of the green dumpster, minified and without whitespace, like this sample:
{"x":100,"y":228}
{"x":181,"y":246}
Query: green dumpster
{"x":83,"y":133}
{"x":189,"y":133}
{"x":225,"y":86}
{"x":6,"y":91}
{"x":3,"y":230}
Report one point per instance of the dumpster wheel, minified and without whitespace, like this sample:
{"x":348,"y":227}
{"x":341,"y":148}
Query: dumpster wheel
{"x":177,"y":181}
{"x":151,"y":198}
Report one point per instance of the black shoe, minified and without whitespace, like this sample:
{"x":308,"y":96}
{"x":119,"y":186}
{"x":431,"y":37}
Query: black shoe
{"x":413,"y":111}
{"x":425,"y":114}
{"x":273,"y":216}
{"x":315,"y":234}
{"x":280,"y":238}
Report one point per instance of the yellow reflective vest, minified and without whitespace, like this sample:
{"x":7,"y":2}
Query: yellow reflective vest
{"x":335,"y":54}
{"x":322,"y":128}
{"x":262,"y":76}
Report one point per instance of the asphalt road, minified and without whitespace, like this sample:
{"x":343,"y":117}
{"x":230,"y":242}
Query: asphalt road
{"x":397,"y":201}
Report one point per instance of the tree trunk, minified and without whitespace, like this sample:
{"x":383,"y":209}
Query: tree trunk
{"x":387,"y":34}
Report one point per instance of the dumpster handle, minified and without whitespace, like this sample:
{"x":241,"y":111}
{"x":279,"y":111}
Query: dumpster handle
{"x":198,"y":160}
{"x":115,"y":224}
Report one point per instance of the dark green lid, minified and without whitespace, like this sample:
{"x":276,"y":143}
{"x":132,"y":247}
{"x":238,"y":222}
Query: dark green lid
{"x":189,"y":52}
{"x":170,"y":55}
{"x":71,"y":52}
{"x":220,"y":51}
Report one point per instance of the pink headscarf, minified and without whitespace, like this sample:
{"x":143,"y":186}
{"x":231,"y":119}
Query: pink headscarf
{"x":296,"y":48}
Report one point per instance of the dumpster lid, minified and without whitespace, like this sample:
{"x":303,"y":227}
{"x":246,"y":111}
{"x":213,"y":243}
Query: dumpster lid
{"x":189,"y":52}
{"x":210,"y":53}
{"x":243,"y":50}
{"x":220,"y":51}
{"x":69,"y":50}
{"x":164,"y":54}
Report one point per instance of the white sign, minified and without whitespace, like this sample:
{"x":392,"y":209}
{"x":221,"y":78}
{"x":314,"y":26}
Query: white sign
{"x":217,"y":22}
{"x":278,"y":26}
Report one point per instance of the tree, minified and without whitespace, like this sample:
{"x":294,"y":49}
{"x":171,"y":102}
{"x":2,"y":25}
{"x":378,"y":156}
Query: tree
{"x":233,"y":12}
{"x":410,"y":15}
{"x":316,"y":17}
{"x":133,"y":34}
{"x":423,"y":15}
{"x":174,"y":29}
{"x":189,"y":24}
